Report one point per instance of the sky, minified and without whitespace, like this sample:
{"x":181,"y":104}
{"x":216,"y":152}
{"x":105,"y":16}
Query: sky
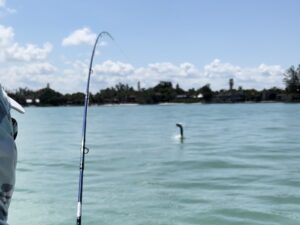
{"x":191,"y":42}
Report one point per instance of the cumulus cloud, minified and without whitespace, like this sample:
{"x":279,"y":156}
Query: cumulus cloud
{"x":80,"y":36}
{"x":13,"y":51}
{"x":113,"y":68}
{"x":6,"y":36}
{"x":28,"y":53}
{"x":218,"y":69}
{"x":27,"y":66}
{"x":109,"y":73}
{"x":23,"y":65}
{"x":32,"y":75}
{"x":217,"y":73}
{"x":262,"y":76}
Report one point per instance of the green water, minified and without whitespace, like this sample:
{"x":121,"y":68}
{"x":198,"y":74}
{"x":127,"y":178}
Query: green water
{"x":239,"y":164}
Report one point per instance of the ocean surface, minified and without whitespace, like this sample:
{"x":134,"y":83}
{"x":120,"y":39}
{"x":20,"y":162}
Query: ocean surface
{"x":239,"y":164}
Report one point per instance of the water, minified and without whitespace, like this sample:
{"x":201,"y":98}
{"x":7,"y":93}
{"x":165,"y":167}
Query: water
{"x":239,"y":164}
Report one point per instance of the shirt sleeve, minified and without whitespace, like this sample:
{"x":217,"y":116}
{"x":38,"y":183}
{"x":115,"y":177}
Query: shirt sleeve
{"x":8,"y":159}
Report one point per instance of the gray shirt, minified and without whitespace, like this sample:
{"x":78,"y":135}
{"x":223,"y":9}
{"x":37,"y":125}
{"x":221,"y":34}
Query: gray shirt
{"x":8,"y":159}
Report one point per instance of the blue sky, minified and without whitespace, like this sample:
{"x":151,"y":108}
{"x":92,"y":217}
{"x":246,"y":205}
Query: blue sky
{"x":189,"y":42}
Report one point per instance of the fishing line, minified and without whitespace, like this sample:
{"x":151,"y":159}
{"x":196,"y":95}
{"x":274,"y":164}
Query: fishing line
{"x":118,"y":46}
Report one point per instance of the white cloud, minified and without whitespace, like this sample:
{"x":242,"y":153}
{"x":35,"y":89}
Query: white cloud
{"x":262,"y":76}
{"x":2,"y":3}
{"x":34,"y":75}
{"x":109,"y":73}
{"x":6,"y":36}
{"x":27,"y":65}
{"x":23,"y":65}
{"x":113,"y":68}
{"x":11,"y":51}
{"x":80,"y":36}
{"x":34,"y":71}
{"x":28,"y":53}
{"x":5,"y":10}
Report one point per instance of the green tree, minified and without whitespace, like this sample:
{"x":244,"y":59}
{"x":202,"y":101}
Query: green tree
{"x":164,"y":92}
{"x":179,"y":90}
{"x":48,"y":96}
{"x":292,"y":79}
{"x":206,"y":92}
{"x":75,"y":98}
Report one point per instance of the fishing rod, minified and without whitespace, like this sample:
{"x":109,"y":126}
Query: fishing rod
{"x":84,"y":150}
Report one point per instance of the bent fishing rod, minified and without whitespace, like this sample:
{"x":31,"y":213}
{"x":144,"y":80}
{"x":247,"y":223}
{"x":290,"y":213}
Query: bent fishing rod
{"x":84,"y":150}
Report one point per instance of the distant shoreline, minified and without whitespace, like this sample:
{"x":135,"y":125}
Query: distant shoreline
{"x":163,"y":93}
{"x":163,"y":104}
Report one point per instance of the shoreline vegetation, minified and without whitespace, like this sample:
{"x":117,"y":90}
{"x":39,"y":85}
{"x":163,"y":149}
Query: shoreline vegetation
{"x":165,"y":92}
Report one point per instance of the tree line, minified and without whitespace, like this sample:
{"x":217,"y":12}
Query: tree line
{"x":165,"y":92}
